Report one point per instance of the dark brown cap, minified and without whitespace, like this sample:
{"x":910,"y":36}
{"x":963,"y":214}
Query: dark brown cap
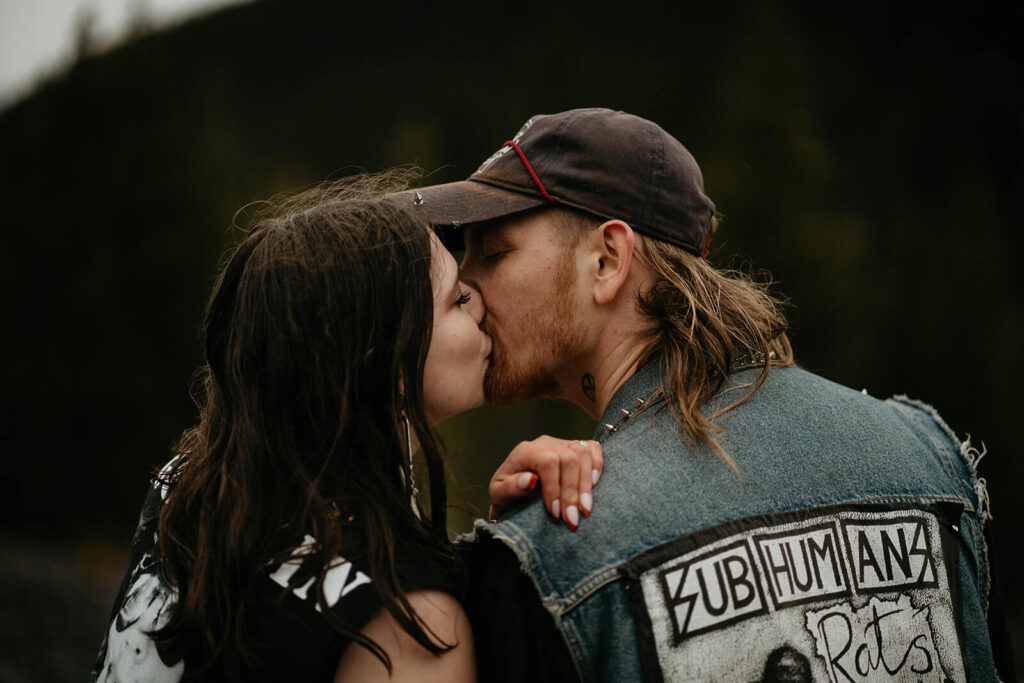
{"x":607,"y":163}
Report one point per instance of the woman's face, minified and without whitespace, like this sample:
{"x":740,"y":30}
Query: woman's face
{"x":459,"y":353}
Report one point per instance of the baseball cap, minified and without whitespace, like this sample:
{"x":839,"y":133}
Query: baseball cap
{"x":610,"y":164}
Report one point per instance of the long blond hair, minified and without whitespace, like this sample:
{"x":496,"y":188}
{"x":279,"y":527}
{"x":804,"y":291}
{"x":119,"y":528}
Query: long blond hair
{"x":703,"y":322}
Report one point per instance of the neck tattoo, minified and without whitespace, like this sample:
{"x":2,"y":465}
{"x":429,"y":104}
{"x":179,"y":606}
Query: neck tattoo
{"x":589,"y":388}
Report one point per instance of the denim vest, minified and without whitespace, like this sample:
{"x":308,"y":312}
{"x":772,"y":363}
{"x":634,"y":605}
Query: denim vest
{"x":850,"y":547}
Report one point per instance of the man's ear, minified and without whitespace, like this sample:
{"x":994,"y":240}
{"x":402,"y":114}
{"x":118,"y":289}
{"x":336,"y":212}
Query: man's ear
{"x":613,"y":242}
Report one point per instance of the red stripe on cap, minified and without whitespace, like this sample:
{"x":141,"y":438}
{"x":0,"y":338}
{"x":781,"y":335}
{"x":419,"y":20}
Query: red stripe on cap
{"x":533,"y":174}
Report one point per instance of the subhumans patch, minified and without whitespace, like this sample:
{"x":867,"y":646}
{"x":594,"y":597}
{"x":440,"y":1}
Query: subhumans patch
{"x":844,"y":594}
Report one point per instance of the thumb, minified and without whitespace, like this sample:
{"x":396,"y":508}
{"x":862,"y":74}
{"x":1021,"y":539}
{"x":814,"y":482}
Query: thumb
{"x":507,"y":489}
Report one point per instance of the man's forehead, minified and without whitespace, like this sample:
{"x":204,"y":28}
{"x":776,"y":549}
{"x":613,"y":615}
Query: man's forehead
{"x":508,"y":225}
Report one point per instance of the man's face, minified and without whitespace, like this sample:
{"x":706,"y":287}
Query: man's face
{"x":527,"y":277}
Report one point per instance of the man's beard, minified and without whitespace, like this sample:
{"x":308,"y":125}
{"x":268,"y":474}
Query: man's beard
{"x":530,"y":373}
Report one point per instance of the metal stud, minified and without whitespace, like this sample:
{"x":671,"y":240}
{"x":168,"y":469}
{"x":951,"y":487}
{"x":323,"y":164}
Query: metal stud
{"x":418,"y":199}
{"x":640,"y":402}
{"x":611,"y":428}
{"x":626,"y":414}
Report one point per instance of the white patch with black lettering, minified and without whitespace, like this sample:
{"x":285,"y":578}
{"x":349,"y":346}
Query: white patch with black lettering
{"x":837,"y":594}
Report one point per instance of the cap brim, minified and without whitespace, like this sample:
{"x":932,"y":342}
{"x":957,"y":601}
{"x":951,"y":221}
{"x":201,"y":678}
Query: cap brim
{"x":466,"y":201}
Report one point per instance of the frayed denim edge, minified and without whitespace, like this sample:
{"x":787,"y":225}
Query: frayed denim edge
{"x":971,"y":457}
{"x":517,"y":542}
{"x":970,"y":454}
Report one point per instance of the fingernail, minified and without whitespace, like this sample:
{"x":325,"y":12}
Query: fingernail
{"x":586,"y":503}
{"x":556,"y":509}
{"x":527,"y":480}
{"x":572,"y":516}
{"x":595,"y":475}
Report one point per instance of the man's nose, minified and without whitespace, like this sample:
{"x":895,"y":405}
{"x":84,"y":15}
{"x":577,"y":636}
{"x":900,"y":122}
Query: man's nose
{"x":477,"y":307}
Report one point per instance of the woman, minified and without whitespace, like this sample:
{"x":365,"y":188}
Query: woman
{"x":289,"y":526}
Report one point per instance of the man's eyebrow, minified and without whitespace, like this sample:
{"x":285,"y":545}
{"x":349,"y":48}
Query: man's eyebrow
{"x":478,"y":230}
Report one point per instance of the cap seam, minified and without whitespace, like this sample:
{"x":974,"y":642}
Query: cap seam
{"x":655,"y":144}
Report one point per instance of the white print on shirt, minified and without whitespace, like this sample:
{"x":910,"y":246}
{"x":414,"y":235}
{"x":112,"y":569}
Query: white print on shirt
{"x":131,"y":654}
{"x":339,"y":580}
{"x":841,"y":596}
{"x":163,"y":479}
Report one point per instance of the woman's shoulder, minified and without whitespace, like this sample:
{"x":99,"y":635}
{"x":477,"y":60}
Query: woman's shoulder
{"x":446,"y":624}
{"x":293,"y":618}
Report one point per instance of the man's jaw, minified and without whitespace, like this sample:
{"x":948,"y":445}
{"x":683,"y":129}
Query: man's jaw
{"x":507,"y":382}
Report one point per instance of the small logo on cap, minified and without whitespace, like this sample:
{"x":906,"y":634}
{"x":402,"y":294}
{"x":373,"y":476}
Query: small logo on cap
{"x":504,"y":148}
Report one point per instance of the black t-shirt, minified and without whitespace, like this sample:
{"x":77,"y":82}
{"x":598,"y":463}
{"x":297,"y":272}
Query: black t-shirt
{"x":515,"y":638}
{"x":293,"y":638}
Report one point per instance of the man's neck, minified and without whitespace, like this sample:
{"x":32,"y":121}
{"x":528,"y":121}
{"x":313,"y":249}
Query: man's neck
{"x":592,"y":384}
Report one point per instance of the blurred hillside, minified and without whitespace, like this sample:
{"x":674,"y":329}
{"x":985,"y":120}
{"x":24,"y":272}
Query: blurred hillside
{"x":869,"y":157}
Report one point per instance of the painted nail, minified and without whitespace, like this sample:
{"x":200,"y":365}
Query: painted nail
{"x":586,"y":503}
{"x":527,"y":480}
{"x":556,"y":509}
{"x":595,"y":475}
{"x":572,"y":516}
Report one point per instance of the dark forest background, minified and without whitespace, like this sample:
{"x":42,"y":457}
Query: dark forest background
{"x":868,"y":155}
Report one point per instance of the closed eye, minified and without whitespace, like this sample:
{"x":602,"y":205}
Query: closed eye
{"x":495,"y":255}
{"x":464,"y":298}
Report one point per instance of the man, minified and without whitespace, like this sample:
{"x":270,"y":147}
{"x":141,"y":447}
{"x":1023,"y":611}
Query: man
{"x":755,"y":521}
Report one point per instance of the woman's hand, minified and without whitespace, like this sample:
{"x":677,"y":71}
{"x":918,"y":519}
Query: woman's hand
{"x":567,"y":471}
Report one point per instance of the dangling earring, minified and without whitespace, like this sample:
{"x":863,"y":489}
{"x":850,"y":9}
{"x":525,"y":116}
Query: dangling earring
{"x":408,"y":440}
{"x":414,"y":492}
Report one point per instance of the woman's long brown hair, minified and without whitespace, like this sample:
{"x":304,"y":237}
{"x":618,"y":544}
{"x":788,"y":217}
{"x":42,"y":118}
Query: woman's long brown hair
{"x":316,"y":337}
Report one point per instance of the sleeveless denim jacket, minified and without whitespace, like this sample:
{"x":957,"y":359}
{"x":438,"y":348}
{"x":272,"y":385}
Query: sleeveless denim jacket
{"x":849,"y":548}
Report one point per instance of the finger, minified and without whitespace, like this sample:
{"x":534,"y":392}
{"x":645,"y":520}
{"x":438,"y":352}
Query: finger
{"x":549,"y":472}
{"x":586,"y":480}
{"x":596,"y":460}
{"x":572,"y":459}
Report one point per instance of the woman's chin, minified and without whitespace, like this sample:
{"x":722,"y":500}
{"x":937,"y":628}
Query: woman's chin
{"x":464,"y":408}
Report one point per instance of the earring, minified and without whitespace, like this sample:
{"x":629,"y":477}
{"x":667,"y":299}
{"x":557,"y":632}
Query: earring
{"x":408,"y":440}
{"x":408,"y":450}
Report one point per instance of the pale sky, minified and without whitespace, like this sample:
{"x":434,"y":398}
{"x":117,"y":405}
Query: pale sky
{"x":37,"y":37}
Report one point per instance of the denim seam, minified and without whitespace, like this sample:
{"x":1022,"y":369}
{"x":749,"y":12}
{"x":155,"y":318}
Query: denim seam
{"x":968,"y":506}
{"x":590,"y":585}
{"x":576,"y":645}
